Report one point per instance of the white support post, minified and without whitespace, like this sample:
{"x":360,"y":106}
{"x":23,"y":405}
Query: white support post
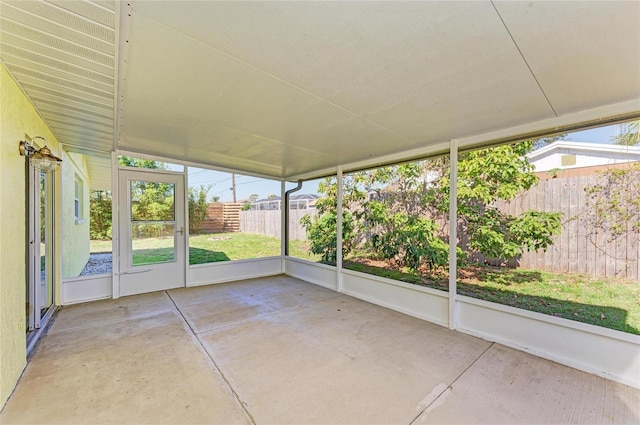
{"x":186,"y":240}
{"x":340,"y":285}
{"x":453,"y":232}
{"x":283,"y":224}
{"x":115,"y":236}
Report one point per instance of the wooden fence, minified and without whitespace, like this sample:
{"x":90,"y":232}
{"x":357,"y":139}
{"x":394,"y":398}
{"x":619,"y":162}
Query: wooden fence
{"x":267,"y":222}
{"x":222,"y":217}
{"x":578,"y":249}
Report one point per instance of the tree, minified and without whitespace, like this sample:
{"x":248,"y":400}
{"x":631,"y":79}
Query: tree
{"x":544,"y":141}
{"x":322,"y":229}
{"x":247,"y":204}
{"x":128,"y":161}
{"x":493,"y":175}
{"x":198,"y":207}
{"x":396,"y":213}
{"x":630,"y":136}
{"x":100,"y":218}
{"x":150,"y":201}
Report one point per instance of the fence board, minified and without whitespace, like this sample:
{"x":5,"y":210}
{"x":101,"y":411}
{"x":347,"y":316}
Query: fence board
{"x":268,"y":222}
{"x":572,"y":228}
{"x":541,"y":206}
{"x":578,"y":249}
{"x":583,"y":260}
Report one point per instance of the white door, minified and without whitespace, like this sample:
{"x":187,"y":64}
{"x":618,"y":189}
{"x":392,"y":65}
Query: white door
{"x":152,"y":231}
{"x":41,"y":249}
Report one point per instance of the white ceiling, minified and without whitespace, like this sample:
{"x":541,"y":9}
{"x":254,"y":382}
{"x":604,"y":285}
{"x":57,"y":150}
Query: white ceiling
{"x":284,"y":89}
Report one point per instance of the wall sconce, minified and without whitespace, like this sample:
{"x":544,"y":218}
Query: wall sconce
{"x":41,"y":159}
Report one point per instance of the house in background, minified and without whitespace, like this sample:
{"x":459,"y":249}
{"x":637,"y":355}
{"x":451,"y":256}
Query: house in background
{"x":564,"y":154}
{"x":296,"y":202}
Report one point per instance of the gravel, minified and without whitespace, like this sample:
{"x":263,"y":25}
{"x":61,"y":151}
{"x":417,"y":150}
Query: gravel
{"x":97,"y":264}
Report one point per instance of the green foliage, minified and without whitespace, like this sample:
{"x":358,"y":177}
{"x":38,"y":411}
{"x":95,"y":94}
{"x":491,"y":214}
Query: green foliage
{"x":322,"y":233}
{"x":128,"y":161}
{"x":411,"y":241}
{"x":614,"y":202}
{"x":487,"y":178}
{"x":247,"y":204}
{"x":100,"y":215}
{"x":198,"y":206}
{"x":398,"y":213}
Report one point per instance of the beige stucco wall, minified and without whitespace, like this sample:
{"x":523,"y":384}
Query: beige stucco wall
{"x":75,"y":235}
{"x":17,"y":118}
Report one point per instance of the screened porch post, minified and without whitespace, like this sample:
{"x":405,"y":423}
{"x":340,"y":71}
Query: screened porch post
{"x":453,"y":236}
{"x":339,"y":230}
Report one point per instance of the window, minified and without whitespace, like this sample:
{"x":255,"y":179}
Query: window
{"x":78,"y":200}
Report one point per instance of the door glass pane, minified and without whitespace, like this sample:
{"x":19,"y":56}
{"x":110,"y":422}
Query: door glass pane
{"x":153,"y":226}
{"x":152,"y":201}
{"x":152,"y":243}
{"x":45,"y":275}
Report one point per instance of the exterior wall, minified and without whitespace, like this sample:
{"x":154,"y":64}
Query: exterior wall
{"x":582,"y":160}
{"x":75,"y":234}
{"x":587,"y":155}
{"x":17,"y":118}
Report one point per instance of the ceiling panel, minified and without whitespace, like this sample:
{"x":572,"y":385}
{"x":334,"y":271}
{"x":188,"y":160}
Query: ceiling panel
{"x":419,"y":69}
{"x":343,"y":81}
{"x":584,"y":54}
{"x":189,"y":82}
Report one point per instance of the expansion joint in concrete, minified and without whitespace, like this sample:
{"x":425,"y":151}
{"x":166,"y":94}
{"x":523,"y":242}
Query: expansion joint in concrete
{"x":439,"y":398}
{"x":217,"y":368}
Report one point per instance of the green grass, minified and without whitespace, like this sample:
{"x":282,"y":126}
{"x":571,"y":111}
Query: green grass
{"x":607,"y":302}
{"x":210,"y":248}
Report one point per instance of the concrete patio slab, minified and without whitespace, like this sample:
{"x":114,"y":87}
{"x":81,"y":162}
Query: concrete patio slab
{"x":146,"y":370}
{"x":506,"y":386}
{"x":281,"y":351}
{"x":213,"y":306}
{"x":109,"y":311}
{"x":340,"y":360}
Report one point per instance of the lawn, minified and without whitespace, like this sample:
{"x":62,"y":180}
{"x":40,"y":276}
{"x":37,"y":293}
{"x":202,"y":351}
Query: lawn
{"x":606,"y":302}
{"x":210,"y":248}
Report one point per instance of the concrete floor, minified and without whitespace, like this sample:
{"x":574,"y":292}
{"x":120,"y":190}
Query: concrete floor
{"x":278,"y":350}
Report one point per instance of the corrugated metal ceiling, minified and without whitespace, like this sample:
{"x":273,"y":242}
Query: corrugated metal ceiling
{"x":63,"y":54}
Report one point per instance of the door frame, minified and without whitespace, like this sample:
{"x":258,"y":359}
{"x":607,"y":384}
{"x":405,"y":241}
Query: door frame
{"x":125,"y":274}
{"x":36,"y":319}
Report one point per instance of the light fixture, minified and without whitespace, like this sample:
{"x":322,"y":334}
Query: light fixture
{"x":41,"y":159}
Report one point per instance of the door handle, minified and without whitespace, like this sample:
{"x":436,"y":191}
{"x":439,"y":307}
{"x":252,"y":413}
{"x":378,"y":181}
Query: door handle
{"x":181,"y":231}
{"x":136,"y":272}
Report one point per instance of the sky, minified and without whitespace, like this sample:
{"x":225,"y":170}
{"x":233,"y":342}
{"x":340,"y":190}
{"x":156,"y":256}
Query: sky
{"x":246,"y":185}
{"x":596,"y":135}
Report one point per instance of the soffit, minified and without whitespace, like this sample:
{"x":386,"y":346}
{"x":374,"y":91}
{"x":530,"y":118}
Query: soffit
{"x":63,"y":55}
